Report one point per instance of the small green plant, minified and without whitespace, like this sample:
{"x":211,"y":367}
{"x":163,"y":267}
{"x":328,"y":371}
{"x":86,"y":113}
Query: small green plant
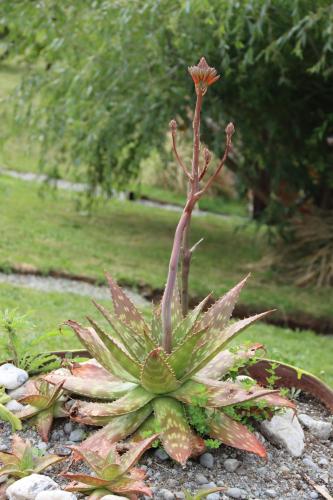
{"x":272,"y":378}
{"x":24,"y":459}
{"x":21,"y":348}
{"x":6,"y":414}
{"x":43,"y":406}
{"x":112,"y":473}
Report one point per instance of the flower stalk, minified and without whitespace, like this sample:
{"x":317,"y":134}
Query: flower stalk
{"x":203,"y":76}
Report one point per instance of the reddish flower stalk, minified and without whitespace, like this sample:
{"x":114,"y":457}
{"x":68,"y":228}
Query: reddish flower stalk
{"x":203,"y":76}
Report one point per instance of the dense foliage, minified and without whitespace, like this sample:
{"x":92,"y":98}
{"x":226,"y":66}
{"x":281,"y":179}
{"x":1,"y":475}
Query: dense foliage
{"x":109,"y":75}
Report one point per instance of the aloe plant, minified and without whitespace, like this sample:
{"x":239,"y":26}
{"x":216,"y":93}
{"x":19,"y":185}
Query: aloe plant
{"x":24,"y":459}
{"x":112,"y":473}
{"x":153,"y":372}
{"x":5,"y":414}
{"x":43,"y":406}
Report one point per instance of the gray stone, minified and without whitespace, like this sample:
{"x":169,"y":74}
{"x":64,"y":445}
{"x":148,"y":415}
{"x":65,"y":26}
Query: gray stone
{"x":62,"y":451}
{"x":166,"y":494}
{"x":42,"y":446}
{"x":77,"y":435}
{"x":286,"y":431}
{"x":201,"y":479}
{"x":12,"y":377}
{"x":3,"y":478}
{"x":213,"y":496}
{"x":323,"y":461}
{"x":161,"y":454}
{"x":28,"y":487}
{"x":318,"y":428}
{"x":271,"y":493}
{"x":208,"y":485}
{"x":56,"y":495}
{"x":14,"y":406}
{"x":68,"y":427}
{"x":235,"y":493}
{"x":309,"y":463}
{"x":314,"y":494}
{"x":231,"y":464}
{"x":207,"y":460}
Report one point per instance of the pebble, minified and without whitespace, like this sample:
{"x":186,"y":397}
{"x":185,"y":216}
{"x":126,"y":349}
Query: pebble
{"x":235,"y":493}
{"x":42,"y":446}
{"x":318,"y":428}
{"x":231,"y":464}
{"x":62,"y":451}
{"x":28,"y":487}
{"x":309,"y":463}
{"x":314,"y":494}
{"x":201,"y":479}
{"x":56,"y":495}
{"x":14,"y":406}
{"x":207,"y":460}
{"x":68,"y":427}
{"x":12,"y":377}
{"x":323,"y":461}
{"x":271,"y":493}
{"x":161,"y":454}
{"x":213,"y":496}
{"x":286,"y":431}
{"x":166,"y":494}
{"x":77,"y":435}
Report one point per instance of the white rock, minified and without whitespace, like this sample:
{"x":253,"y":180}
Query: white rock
{"x":21,"y":391}
{"x":56,"y":495}
{"x":12,"y":377}
{"x":285,"y":431}
{"x":28,"y":487}
{"x":318,"y":428}
{"x":14,"y":405}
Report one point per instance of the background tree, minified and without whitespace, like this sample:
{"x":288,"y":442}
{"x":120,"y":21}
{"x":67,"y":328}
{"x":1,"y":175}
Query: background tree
{"x":85,"y":95}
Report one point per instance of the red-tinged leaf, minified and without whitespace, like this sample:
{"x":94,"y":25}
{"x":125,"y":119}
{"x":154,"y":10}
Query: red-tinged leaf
{"x":128,"y":486}
{"x":157,"y":375}
{"x":35,"y":400}
{"x":176,"y":307}
{"x":176,"y":435}
{"x":198,"y":446}
{"x":234,"y":434}
{"x":97,"y":482}
{"x":137,"y":473}
{"x":275,"y":399}
{"x":128,"y":337}
{"x":118,"y":428}
{"x":217,"y":317}
{"x":98,"y":350}
{"x":100,"y":413}
{"x":136,"y":451}
{"x":95,"y":460}
{"x":207,"y":351}
{"x":44,"y":421}
{"x":125,"y":309}
{"x":92,"y":369}
{"x":83,"y":488}
{"x":94,"y":388}
{"x":225,"y":360}
{"x":218,"y":394}
{"x":19,"y":445}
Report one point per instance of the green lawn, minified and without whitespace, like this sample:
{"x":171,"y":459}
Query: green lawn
{"x":133,"y":243}
{"x":48,"y":311}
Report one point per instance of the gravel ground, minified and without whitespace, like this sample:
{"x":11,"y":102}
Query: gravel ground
{"x":281,"y":477}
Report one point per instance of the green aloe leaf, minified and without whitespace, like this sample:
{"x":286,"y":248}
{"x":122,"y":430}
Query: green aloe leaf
{"x":185,"y":327}
{"x":234,"y":434}
{"x":96,"y":482}
{"x":156,"y":324}
{"x":8,"y":416}
{"x":157,"y":376}
{"x":180,"y":357}
{"x":175,"y":432}
{"x":176,"y":307}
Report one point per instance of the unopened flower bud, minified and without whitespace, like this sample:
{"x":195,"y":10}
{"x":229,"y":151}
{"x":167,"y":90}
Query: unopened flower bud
{"x":207,"y":156}
{"x":203,"y":75}
{"x":230,"y":129}
{"x":173,"y":126}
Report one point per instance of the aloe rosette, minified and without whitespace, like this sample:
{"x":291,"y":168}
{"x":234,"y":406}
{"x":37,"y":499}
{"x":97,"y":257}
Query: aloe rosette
{"x":143,"y":387}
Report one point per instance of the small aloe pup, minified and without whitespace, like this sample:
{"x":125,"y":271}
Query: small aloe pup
{"x":154,"y":372}
{"x":5,"y":414}
{"x":24,"y":459}
{"x":112,"y":473}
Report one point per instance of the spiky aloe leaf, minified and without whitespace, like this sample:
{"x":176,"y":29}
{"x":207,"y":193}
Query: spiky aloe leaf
{"x":44,"y":421}
{"x":98,"y":350}
{"x":125,"y":309}
{"x":157,"y":376}
{"x":130,"y":487}
{"x":42,"y":463}
{"x":8,"y":416}
{"x":217,"y":317}
{"x":180,"y":357}
{"x":94,"y":385}
{"x":156,"y":324}
{"x":206,"y":352}
{"x":134,"y":454}
{"x":118,"y":428}
{"x":185,"y":327}
{"x":176,"y":435}
{"x":276,"y":400}
{"x":217,"y":394}
{"x":124,"y":334}
{"x":176,"y":307}
{"x":87,"y":481}
{"x":234,"y":434}
{"x":99,"y":413}
{"x":225,"y":360}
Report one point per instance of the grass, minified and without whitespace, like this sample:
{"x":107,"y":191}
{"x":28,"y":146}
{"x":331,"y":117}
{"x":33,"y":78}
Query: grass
{"x":133,"y":243}
{"x":48,"y":311}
